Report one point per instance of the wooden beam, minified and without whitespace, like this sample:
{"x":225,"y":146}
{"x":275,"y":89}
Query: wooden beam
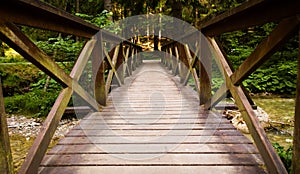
{"x":250,"y":13}
{"x":112,"y":62}
{"x":6,"y":163}
{"x":17,"y":40}
{"x":265,"y":49}
{"x":271,"y":159}
{"x":296,"y":139}
{"x":83,"y":59}
{"x":41,"y":15}
{"x":205,"y":71}
{"x":41,"y":143}
{"x":98,"y":68}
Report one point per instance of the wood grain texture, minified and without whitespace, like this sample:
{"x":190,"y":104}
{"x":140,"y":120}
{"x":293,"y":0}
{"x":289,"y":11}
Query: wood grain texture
{"x":148,"y":127}
{"x":6,"y":163}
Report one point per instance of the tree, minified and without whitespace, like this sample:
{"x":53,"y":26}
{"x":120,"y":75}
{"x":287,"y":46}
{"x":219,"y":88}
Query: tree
{"x":2,"y":50}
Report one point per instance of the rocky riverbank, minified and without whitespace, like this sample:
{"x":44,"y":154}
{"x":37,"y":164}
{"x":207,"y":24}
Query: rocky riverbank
{"x":29,"y":127}
{"x":23,"y":130}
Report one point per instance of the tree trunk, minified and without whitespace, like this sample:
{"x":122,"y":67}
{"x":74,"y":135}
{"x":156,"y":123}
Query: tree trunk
{"x":2,"y":51}
{"x":176,"y":6}
{"x":107,"y":6}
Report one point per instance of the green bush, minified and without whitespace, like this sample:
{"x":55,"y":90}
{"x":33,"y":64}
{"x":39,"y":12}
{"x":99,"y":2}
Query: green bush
{"x":285,"y":155}
{"x":37,"y":103}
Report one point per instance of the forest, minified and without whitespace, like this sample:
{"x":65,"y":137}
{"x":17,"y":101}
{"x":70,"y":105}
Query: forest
{"x":29,"y":91}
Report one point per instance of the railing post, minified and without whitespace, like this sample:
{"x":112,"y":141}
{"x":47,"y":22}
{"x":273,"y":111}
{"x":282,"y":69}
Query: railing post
{"x":98,"y":66}
{"x":6,"y":164}
{"x":183,"y":65}
{"x":133,"y":59}
{"x":296,"y":142}
{"x":205,"y":69}
{"x":119,"y":64}
{"x":175,"y":61}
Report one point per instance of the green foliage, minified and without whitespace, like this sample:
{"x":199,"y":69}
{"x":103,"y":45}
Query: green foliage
{"x":16,"y":78}
{"x":278,"y":75}
{"x":62,"y":49}
{"x":37,"y":103}
{"x":278,"y":78}
{"x":285,"y":155}
{"x":101,"y":20}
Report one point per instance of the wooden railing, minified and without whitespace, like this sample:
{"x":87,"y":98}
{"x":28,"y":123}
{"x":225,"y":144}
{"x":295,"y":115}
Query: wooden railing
{"x":183,"y":62}
{"x":120,"y":61}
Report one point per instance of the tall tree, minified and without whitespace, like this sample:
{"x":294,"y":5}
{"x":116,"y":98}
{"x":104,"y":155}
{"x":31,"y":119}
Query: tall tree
{"x":2,"y":51}
{"x":176,"y":6}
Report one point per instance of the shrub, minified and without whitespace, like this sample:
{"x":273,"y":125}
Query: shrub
{"x":37,"y":103}
{"x":285,"y":155}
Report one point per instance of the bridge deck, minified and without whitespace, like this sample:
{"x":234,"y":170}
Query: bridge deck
{"x":153,"y":124}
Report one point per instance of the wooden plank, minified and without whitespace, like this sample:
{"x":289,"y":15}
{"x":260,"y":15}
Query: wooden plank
{"x":250,"y":13}
{"x":78,"y":109}
{"x":157,"y":127}
{"x":166,"y":159}
{"x":41,"y":15}
{"x":152,"y":169}
{"x":41,"y":143}
{"x":147,"y":133}
{"x":155,"y":148}
{"x":6,"y":163}
{"x":167,"y":140}
{"x":272,"y":160}
{"x":296,"y":139}
{"x":12,"y":35}
{"x":265,"y":49}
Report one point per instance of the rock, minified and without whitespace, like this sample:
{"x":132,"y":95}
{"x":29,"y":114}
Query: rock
{"x":238,"y":121}
{"x":30,"y":127}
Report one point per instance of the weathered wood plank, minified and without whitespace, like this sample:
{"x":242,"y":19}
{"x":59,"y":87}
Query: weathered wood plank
{"x":152,"y":169}
{"x":155,"y":148}
{"x":139,"y":133}
{"x":168,"y":140}
{"x":41,"y":15}
{"x":6,"y":163}
{"x":272,"y":160}
{"x":165,"y":159}
{"x":296,"y":139}
{"x":250,"y":13}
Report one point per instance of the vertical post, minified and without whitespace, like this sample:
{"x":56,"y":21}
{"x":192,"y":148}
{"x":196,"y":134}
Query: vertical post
{"x":129,"y":60}
{"x":184,"y":64}
{"x":119,"y":64}
{"x":98,"y":66}
{"x":133,"y":59}
{"x":296,"y":142}
{"x":6,"y":165}
{"x":205,"y":68}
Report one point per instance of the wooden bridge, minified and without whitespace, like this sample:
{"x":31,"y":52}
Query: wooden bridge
{"x":152,"y":122}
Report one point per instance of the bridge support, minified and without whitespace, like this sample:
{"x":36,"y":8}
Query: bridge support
{"x":6,"y":164}
{"x":296,"y":142}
